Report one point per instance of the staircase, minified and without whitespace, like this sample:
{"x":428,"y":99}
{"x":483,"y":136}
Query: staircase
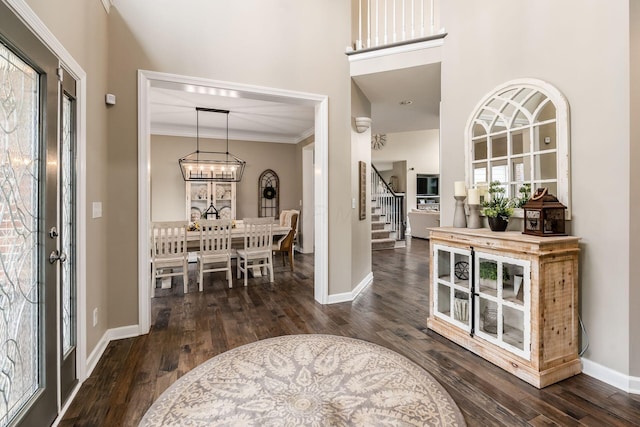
{"x":387,"y":214}
{"x":380,"y":235}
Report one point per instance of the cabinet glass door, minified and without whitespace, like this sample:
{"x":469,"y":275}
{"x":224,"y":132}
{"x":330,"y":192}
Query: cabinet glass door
{"x":503,"y":302}
{"x":222,"y":199}
{"x":452,"y":290}
{"x":198,"y":193}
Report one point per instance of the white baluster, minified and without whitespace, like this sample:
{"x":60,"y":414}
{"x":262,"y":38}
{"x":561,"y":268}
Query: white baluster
{"x":395,"y":38}
{"x":404,"y":14}
{"x":368,"y":23}
{"x":413,"y":19}
{"x":377,"y":24}
{"x":385,"y":23}
{"x":432,"y":19}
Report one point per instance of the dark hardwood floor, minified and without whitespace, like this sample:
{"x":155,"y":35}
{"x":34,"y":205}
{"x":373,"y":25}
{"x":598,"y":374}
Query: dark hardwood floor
{"x":392,"y":311}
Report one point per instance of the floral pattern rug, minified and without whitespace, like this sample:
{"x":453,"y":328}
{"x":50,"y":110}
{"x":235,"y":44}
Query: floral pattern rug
{"x":306,"y":380}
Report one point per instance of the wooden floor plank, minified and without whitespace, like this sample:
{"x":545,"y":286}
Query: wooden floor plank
{"x":190,"y":329}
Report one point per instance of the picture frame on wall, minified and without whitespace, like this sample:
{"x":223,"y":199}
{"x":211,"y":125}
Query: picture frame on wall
{"x":362,"y":190}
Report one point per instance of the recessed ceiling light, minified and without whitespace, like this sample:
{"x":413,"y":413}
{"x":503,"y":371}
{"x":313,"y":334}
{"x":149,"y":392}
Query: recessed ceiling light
{"x":406,"y":102}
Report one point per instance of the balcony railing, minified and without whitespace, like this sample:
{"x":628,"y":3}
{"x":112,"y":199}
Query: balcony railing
{"x":380,"y":23}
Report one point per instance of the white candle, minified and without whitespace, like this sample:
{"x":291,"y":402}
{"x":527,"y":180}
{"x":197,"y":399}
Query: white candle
{"x":474,"y":196}
{"x":460,"y":189}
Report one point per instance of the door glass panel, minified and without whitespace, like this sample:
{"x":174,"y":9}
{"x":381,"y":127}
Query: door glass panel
{"x":513,"y":327}
{"x":461,"y":270}
{"x":19,"y":284}
{"x":444,"y":266}
{"x":489,"y":317}
{"x":67,"y":237}
{"x":488,"y":273}
{"x":461,"y":306}
{"x":512,"y":289}
{"x":444,"y":299}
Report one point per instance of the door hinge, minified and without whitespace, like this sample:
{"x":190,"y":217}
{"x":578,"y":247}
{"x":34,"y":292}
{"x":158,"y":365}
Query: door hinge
{"x":60,"y":73}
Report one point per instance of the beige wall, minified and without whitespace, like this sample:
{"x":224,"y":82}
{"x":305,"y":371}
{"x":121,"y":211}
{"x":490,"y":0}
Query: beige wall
{"x":168,"y":187}
{"x":82,"y":28}
{"x":494,"y":41}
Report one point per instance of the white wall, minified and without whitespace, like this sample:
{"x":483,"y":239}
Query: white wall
{"x":582,"y":48}
{"x":421,"y":150}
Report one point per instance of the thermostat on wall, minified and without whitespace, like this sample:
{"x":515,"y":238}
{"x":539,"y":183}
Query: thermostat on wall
{"x":110,"y":99}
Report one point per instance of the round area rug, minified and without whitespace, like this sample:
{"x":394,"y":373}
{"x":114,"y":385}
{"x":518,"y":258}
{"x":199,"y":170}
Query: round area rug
{"x":306,"y":380}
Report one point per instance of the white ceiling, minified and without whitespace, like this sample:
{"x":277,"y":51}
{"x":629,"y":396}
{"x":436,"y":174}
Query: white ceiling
{"x":173,"y":112}
{"x":173,"y":109}
{"x":385,"y":91}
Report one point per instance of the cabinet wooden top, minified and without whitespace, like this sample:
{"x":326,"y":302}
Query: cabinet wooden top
{"x":486,"y":237}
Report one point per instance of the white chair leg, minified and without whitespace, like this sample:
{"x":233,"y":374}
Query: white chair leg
{"x":246,"y":271}
{"x":185,"y":275}
{"x":238,"y":262}
{"x":229,"y":272}
{"x":270,"y":262}
{"x":200,"y":274}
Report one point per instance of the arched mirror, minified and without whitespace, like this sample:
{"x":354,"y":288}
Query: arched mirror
{"x":519,"y":134}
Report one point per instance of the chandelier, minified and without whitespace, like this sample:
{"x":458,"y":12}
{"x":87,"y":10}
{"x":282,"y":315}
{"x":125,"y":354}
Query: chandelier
{"x":378,"y":141}
{"x":216,"y":166}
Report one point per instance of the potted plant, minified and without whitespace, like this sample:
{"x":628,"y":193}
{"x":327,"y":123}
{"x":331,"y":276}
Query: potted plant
{"x":497,"y":208}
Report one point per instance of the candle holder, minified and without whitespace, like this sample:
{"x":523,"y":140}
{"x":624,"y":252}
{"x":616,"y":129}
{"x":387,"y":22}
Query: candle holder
{"x":474,"y":217}
{"x":459,"y":218}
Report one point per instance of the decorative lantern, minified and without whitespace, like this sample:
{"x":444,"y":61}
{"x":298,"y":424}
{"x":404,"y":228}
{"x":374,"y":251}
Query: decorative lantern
{"x":544,"y":215}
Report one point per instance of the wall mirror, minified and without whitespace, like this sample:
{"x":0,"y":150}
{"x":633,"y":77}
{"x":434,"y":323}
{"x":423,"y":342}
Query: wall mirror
{"x":519,"y":134}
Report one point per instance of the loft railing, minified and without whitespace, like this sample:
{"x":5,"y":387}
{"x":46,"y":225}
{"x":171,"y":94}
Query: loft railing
{"x":378,"y":23}
{"x":390,"y":203}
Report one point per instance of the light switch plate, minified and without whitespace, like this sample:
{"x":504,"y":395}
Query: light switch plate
{"x":96,"y":209}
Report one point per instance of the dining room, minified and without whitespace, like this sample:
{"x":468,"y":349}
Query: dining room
{"x":218,"y":157}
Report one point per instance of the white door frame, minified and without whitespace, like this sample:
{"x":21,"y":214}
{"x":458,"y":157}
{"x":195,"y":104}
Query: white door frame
{"x":148,"y":79}
{"x":307,"y":224}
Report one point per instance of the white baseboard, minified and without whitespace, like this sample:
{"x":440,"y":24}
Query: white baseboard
{"x":350,"y":296}
{"x":616,"y":379}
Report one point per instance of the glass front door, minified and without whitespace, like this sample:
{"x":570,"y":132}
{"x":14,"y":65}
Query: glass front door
{"x":31,"y":247}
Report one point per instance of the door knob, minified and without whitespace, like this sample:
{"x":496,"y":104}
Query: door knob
{"x":57,"y":256}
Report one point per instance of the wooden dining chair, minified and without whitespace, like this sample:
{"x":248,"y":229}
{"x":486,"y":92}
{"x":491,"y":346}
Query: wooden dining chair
{"x":258,"y":235}
{"x":286,"y":244}
{"x":215,"y":248}
{"x":169,"y":251}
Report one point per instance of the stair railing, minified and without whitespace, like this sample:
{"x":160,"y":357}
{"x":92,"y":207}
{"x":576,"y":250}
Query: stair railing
{"x":386,"y":22}
{"x":390,"y":203}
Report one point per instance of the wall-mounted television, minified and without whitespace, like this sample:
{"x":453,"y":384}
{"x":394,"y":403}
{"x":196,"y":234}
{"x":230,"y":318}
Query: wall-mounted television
{"x":427,"y":185}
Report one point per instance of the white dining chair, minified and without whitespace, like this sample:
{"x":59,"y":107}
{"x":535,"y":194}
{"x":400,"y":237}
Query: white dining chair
{"x":169,"y":251}
{"x":215,"y":248}
{"x":258,"y":235}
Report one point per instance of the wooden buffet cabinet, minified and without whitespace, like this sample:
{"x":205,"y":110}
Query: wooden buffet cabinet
{"x":511,"y":298}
